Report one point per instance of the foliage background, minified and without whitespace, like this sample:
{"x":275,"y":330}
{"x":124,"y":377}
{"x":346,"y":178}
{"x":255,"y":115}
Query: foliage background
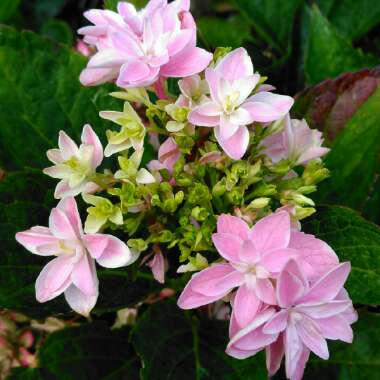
{"x":325,"y":52}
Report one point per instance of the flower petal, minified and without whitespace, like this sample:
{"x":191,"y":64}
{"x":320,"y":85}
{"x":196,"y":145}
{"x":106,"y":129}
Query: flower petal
{"x":272,"y":232}
{"x":35,"y":237}
{"x":205,"y":115}
{"x":79,"y":301}
{"x":277,"y":323}
{"x":236,"y":145}
{"x":274,"y":354}
{"x":60,"y":225}
{"x":228,"y":245}
{"x":246,"y":306}
{"x":336,"y":328}
{"x":84,"y":275}
{"x":67,"y":146}
{"x":70,"y":208}
{"x":54,"y":278}
{"x":89,"y":137}
{"x":328,"y":286}
{"x":235,"y":65}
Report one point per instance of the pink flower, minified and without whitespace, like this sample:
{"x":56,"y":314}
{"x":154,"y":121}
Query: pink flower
{"x":231,"y":108}
{"x":193,"y":91}
{"x":296,"y":143}
{"x":138,"y":48}
{"x":307,"y":315}
{"x":82,"y":48}
{"x":75,"y":166}
{"x":255,"y":256}
{"x":168,"y":155}
{"x":72,"y":271}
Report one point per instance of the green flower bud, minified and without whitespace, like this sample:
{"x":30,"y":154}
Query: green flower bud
{"x":219,"y":188}
{"x":259,"y":203}
{"x":185,"y":143}
{"x":235,"y":196}
{"x":307,"y":189}
{"x":304,"y":212}
{"x":263,"y":190}
{"x":199,"y":213}
{"x":139,"y":245}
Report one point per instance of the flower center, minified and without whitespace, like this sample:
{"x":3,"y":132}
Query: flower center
{"x":230,"y":102}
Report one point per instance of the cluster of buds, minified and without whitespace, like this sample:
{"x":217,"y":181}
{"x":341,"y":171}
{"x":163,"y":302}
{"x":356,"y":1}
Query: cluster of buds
{"x":227,"y":158}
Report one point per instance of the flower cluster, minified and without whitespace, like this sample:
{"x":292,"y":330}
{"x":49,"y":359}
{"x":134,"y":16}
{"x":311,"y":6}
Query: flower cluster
{"x":213,"y":177}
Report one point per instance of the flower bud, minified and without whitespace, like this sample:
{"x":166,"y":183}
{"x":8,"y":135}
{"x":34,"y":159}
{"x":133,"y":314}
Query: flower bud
{"x":259,"y":203}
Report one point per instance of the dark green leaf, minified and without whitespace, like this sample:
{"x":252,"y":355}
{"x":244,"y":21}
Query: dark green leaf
{"x":359,"y":361}
{"x":59,"y":31}
{"x":327,"y":53}
{"x":216,"y":32}
{"x":40,"y":94}
{"x":272,"y":19}
{"x":7,"y":9}
{"x":353,"y":239}
{"x":174,"y":344}
{"x":354,"y":18}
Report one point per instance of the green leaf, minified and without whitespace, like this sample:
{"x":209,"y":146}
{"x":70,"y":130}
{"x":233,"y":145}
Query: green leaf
{"x":7,"y":9}
{"x":357,"y":361}
{"x":353,"y":239}
{"x":327,"y":53}
{"x":25,"y":200}
{"x":354,"y":18}
{"x":58,"y":31}
{"x":40,"y":94}
{"x":216,"y":32}
{"x":272,"y":19}
{"x":90,"y":351}
{"x":174,"y":344}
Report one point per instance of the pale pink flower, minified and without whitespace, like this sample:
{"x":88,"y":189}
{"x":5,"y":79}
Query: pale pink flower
{"x":138,"y":48}
{"x":74,"y":165}
{"x":307,"y":315}
{"x":255,"y":256}
{"x":296,"y":143}
{"x":72,"y":271}
{"x":83,"y":48}
{"x":231,"y":107}
{"x":168,"y":155}
{"x":194,"y":91}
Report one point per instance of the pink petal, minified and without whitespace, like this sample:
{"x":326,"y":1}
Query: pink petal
{"x":226,"y":127}
{"x":249,"y":253}
{"x":293,"y":350}
{"x":228,"y":245}
{"x":137,"y":73}
{"x":325,"y":310}
{"x":328,"y":286}
{"x":246,"y":306}
{"x":69,"y":207}
{"x":54,"y":278}
{"x":79,"y":301}
{"x":205,"y":115}
{"x":272,"y":232}
{"x":300,"y":364}
{"x":108,"y":58}
{"x":277,"y":323}
{"x":67,"y":146}
{"x":265,"y":107}
{"x":116,"y":254}
{"x":241,"y":117}
{"x":251,"y":338}
{"x":235,"y":65}
{"x":336,"y":328}
{"x":311,"y":336}
{"x":157,"y":264}
{"x":275,"y":261}
{"x":60,"y":225}
{"x":95,"y":244}
{"x":84,"y":275}
{"x":180,"y":41}
{"x":209,"y":285}
{"x":232,"y":225}
{"x":317,"y":257}
{"x":213,"y":78}
{"x":265,"y":291}
{"x":94,"y":77}
{"x":188,"y":62}
{"x":35,"y":237}
{"x":274,"y":355}
{"x":89,"y":137}
{"x":235,"y":146}
{"x":291,"y":285}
